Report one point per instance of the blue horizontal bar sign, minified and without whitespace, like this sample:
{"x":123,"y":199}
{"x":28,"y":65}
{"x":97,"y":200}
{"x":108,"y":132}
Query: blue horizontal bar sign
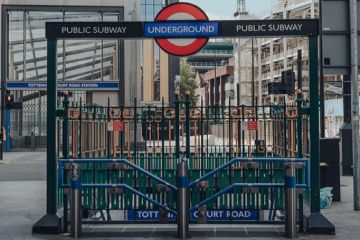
{"x":223,"y":215}
{"x":63,"y":85}
{"x":147,"y":215}
{"x":181,"y":29}
{"x":212,"y":215}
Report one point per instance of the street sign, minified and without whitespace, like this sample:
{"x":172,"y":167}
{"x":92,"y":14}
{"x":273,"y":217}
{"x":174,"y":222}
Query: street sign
{"x":252,"y":126}
{"x":79,"y":85}
{"x":115,"y":126}
{"x":334,"y":88}
{"x":211,"y":215}
{"x":118,"y":126}
{"x":249,"y":126}
{"x":183,"y":12}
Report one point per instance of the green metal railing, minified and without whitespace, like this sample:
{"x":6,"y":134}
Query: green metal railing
{"x":155,"y":138}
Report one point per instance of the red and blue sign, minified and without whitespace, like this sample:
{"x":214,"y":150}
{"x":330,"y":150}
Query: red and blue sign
{"x":182,"y":12}
{"x":182,"y":29}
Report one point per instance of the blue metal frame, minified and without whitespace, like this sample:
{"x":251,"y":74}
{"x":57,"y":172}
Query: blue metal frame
{"x":7,"y":129}
{"x":251,"y":185}
{"x":192,"y":184}
{"x":79,"y":185}
{"x":259,"y":159}
{"x":124,"y":161}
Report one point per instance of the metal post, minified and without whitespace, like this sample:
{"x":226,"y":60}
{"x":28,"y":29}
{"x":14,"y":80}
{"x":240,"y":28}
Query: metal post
{"x":355,"y":100}
{"x":75,"y":215}
{"x":183,"y":199}
{"x":187,"y":123}
{"x":108,"y":133}
{"x":299,"y":100}
{"x":290,"y":202}
{"x":301,"y":213}
{"x":252,"y":74}
{"x":299,"y":68}
{"x":51,"y":127}
{"x":322,"y":83}
{"x":65,"y":152}
{"x":2,"y":114}
{"x":314,"y":125}
{"x":80,"y":130}
{"x":177,"y":125}
{"x":7,"y":142}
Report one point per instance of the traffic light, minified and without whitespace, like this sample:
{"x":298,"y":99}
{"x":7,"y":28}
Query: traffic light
{"x":9,"y":101}
{"x":286,"y":86}
{"x":288,"y":80}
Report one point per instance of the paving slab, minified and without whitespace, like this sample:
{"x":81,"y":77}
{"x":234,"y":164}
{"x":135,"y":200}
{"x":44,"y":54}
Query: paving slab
{"x":22,"y":203}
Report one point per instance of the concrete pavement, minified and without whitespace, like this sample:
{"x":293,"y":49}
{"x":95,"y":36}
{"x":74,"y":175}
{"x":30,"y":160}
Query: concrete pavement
{"x":23,"y":166}
{"x":22,"y":203}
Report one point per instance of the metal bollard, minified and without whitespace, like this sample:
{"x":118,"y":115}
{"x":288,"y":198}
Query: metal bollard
{"x":75,"y":208}
{"x":183,"y":200}
{"x":290,"y":202}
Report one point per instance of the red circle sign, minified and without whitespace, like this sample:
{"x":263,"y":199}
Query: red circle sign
{"x":182,"y":11}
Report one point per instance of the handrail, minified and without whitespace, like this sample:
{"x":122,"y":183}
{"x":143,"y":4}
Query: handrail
{"x":258,"y":159}
{"x":235,"y":185}
{"x":84,"y":161}
{"x":140,"y":194}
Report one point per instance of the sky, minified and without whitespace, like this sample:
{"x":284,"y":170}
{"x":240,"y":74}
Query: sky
{"x":224,"y":9}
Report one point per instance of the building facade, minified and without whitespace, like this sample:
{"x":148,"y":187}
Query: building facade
{"x":259,"y":61}
{"x":158,"y":68}
{"x":24,"y":62}
{"x":211,"y":56}
{"x":256,"y":62}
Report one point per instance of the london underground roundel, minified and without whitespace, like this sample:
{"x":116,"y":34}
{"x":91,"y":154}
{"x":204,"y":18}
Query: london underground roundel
{"x":181,"y":12}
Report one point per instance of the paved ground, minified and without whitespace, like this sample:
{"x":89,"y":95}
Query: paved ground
{"x":23,"y":167}
{"x":22,"y":202}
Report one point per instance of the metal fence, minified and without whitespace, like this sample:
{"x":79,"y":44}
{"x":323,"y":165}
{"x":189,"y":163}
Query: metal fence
{"x":156,"y":138}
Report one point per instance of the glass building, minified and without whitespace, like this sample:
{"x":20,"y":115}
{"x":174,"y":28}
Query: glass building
{"x":24,"y":59}
{"x":149,"y":10}
{"x":134,"y":65}
{"x":158,"y":68}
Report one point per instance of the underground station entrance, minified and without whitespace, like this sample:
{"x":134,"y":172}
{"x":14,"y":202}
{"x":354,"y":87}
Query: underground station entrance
{"x":156,"y":164}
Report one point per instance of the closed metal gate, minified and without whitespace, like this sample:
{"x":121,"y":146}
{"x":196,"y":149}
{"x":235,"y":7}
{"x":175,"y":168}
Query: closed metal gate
{"x":128,"y":156}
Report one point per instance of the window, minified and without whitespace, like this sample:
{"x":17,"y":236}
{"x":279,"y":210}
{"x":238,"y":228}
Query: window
{"x":88,"y":60}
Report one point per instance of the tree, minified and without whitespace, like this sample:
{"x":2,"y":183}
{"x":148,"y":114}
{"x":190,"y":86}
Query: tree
{"x":188,"y":82}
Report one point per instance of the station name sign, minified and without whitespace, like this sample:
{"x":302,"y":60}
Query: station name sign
{"x":211,"y":215}
{"x":182,"y":29}
{"x":20,"y":85}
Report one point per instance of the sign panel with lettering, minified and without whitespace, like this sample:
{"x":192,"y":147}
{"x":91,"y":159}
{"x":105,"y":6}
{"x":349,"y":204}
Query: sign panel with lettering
{"x":212,"y":215}
{"x":286,"y":27}
{"x":187,"y":13}
{"x":118,"y":126}
{"x":197,"y":28}
{"x":181,"y":29}
{"x":252,"y":126}
{"x":19,"y":85}
{"x":55,"y":30}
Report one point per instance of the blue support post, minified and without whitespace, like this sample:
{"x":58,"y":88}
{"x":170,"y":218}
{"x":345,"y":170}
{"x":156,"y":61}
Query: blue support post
{"x":7,"y":129}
